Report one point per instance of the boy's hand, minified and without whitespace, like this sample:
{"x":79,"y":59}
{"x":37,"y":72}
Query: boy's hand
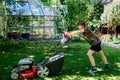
{"x":65,"y":38}
{"x":65,"y":34}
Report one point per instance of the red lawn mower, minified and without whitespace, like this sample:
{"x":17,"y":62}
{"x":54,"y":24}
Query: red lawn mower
{"x":43,"y":68}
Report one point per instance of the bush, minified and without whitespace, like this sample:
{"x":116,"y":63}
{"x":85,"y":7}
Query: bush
{"x":6,"y":46}
{"x":1,"y":37}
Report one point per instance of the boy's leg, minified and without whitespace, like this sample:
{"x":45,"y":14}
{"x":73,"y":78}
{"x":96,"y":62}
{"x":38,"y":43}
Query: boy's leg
{"x":91,"y":59}
{"x":103,"y":57}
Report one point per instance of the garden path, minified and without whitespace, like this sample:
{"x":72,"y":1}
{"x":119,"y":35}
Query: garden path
{"x":115,"y":45}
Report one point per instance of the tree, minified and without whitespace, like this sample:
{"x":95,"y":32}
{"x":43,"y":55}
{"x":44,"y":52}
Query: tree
{"x":76,"y":10}
{"x":97,"y":11}
{"x":111,"y":15}
{"x":2,"y":19}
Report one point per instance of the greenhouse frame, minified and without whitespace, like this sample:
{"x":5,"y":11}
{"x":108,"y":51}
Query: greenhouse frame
{"x":41,"y":19}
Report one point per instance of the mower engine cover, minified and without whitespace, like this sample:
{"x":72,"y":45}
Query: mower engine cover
{"x":24,"y":67}
{"x":25,"y":63}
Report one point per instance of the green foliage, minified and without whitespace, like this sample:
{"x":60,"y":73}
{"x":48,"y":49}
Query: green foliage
{"x":17,"y":22}
{"x":6,"y":46}
{"x":62,"y":2}
{"x":98,"y":9}
{"x":77,"y":10}
{"x":58,"y":23}
{"x":1,"y":37}
{"x":0,"y":1}
{"x":46,"y":2}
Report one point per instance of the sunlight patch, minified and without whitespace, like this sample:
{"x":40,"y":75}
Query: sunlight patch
{"x":85,"y":78}
{"x":118,"y":64}
{"x":31,"y":56}
{"x":30,"y":47}
{"x":3,"y":52}
{"x":48,"y":79}
{"x":99,"y":69}
{"x":113,"y":78}
{"x":73,"y":77}
{"x":5,"y":68}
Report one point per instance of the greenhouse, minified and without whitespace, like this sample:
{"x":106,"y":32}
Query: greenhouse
{"x":31,"y":17}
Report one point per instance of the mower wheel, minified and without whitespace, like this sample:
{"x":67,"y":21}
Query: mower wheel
{"x":42,"y":71}
{"x":14,"y":75}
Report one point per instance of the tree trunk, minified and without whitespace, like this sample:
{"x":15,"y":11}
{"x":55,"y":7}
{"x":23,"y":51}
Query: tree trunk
{"x":115,"y":31}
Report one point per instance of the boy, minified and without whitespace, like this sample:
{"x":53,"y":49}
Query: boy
{"x":95,"y":43}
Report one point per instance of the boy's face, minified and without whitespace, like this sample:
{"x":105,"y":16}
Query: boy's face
{"x":80,"y":27}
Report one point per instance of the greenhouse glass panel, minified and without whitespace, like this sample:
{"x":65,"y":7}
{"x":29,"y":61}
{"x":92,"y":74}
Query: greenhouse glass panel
{"x":30,"y":7}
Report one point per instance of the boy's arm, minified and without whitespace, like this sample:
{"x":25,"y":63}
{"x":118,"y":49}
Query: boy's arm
{"x":77,"y":32}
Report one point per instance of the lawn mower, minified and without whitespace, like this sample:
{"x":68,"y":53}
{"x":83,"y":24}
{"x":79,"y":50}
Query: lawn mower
{"x":43,"y":68}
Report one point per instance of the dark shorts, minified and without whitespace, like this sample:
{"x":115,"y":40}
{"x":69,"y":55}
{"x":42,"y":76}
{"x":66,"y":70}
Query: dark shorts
{"x":96,"y":47}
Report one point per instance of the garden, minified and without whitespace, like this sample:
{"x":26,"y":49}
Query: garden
{"x":34,"y":29}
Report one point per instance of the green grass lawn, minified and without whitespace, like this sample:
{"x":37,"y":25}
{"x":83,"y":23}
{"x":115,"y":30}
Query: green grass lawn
{"x":75,"y":66}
